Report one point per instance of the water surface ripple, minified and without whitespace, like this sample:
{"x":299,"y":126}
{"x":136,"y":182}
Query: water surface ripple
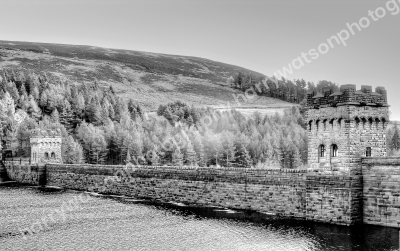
{"x":109,"y":224}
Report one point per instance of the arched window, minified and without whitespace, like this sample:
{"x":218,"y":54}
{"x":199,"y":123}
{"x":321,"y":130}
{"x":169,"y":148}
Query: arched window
{"x":357,"y":122}
{"x":370,"y":122}
{"x":321,"y":151}
{"x":331,"y":123}
{"x":46,"y":155}
{"x":368,"y":152}
{"x":377,"y":123}
{"x":317,"y":124}
{"x":334,"y":150}
{"x":324,"y":124}
{"x":364,"y":121}
{"x":53,"y":155}
{"x":340,"y":122}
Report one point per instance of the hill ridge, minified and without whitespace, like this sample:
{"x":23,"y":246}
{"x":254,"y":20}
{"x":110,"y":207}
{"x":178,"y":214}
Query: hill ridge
{"x":147,"y":77}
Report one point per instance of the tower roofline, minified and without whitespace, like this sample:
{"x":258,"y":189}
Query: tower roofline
{"x":38,"y":133}
{"x":347,"y":95}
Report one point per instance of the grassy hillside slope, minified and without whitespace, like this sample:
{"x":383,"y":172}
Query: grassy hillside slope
{"x":149,"y":78}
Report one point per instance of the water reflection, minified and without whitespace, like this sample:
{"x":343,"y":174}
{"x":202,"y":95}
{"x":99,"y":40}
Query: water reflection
{"x":119,"y":224}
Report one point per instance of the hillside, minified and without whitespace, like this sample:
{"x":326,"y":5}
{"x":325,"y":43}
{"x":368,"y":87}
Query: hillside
{"x":149,"y":78}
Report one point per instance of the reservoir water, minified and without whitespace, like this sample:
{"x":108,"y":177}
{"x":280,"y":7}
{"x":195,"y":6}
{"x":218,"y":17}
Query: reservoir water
{"x":33,"y":219}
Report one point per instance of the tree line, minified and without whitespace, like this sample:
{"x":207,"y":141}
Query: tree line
{"x":294,"y":91}
{"x":98,"y":127}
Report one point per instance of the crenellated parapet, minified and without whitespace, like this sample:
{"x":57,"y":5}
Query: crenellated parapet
{"x":41,"y":133}
{"x":348,"y":95}
{"x":348,"y":113}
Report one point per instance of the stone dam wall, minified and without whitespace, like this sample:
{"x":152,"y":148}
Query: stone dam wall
{"x":288,"y":193}
{"x":381,"y":191}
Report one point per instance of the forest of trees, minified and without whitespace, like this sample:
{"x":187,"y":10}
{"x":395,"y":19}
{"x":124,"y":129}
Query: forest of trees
{"x":98,"y":127}
{"x":294,"y":91}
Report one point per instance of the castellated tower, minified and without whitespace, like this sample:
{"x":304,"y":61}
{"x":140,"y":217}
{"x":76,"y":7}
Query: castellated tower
{"x":345,"y":126}
{"x":46,"y":146}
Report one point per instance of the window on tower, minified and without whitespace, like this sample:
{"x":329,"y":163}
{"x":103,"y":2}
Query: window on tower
{"x":334,"y":150}
{"x":364,"y":121}
{"x":331,"y":123}
{"x":357,"y":122}
{"x":368,"y":152}
{"x":321,"y":151}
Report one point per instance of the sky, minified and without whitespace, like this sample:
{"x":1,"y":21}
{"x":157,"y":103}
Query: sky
{"x":261,"y":35}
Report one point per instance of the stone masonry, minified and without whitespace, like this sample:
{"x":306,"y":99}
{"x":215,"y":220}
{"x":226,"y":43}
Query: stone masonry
{"x":344,"y":127}
{"x":46,"y":146}
{"x":381,"y":191}
{"x":350,"y":121}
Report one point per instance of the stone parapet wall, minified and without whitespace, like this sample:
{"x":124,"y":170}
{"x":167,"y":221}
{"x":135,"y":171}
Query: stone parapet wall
{"x":371,"y":197}
{"x":282,"y":192}
{"x":334,"y":199}
{"x":278,"y":192}
{"x":381,"y":182}
{"x":26,"y":174}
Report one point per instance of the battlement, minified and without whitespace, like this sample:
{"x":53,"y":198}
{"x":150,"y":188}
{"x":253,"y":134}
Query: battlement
{"x":348,"y":94}
{"x":38,"y":133}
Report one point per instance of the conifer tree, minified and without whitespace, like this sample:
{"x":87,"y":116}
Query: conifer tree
{"x":228,"y":147}
{"x":111,"y":112}
{"x":395,"y":139}
{"x":33,"y":110}
{"x":296,"y":162}
{"x":177,"y":157}
{"x":191,"y":158}
{"x":128,"y":157}
{"x":43,"y":100}
{"x":93,"y":112}
{"x":55,"y":116}
{"x":244,"y":157}
{"x":154,"y":157}
{"x":72,"y":152}
{"x":79,"y":105}
{"x":104,"y":114}
{"x":13,"y":91}
{"x":67,"y":117}
{"x":202,"y":156}
{"x":3,"y":118}
{"x":113,"y":149}
{"x":51,"y":102}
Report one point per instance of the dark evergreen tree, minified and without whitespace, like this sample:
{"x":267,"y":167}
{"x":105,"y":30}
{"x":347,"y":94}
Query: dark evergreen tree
{"x":395,"y":144}
{"x":191,"y":158}
{"x":244,"y":159}
{"x":177,"y":157}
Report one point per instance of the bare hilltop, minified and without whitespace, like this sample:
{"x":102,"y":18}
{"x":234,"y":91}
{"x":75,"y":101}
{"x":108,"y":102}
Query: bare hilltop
{"x":150,"y":79}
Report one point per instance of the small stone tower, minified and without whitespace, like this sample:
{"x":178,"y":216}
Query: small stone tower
{"x":46,"y":146}
{"x":345,"y":126}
